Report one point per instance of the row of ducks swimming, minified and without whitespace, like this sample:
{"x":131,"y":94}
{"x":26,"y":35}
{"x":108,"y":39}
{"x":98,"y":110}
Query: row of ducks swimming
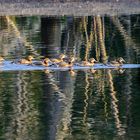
{"x":63,"y":61}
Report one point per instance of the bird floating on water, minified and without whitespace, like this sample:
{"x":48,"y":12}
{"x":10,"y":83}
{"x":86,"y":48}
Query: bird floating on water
{"x":46,"y":62}
{"x":118,"y":62}
{"x":27,"y":60}
{"x":91,"y":62}
{"x":59,"y":59}
{"x":69,"y":63}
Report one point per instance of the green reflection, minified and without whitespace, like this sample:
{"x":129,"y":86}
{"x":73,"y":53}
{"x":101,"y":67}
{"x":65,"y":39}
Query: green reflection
{"x":90,"y":104}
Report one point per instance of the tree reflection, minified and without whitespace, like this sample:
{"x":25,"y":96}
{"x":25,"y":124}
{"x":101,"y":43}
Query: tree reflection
{"x":69,"y":103}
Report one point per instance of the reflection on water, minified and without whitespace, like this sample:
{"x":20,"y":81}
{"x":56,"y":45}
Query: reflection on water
{"x":51,"y":105}
{"x":102,"y":37}
{"x":74,"y":104}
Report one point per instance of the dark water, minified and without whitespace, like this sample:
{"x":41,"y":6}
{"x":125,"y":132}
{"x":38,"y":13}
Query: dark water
{"x":89,"y":104}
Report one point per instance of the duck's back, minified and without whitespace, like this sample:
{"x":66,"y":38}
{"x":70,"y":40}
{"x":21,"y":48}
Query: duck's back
{"x":24,"y":61}
{"x":63,"y":64}
{"x":54,"y":60}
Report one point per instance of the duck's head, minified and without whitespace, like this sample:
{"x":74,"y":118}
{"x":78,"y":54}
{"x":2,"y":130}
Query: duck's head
{"x":30,"y":57}
{"x":92,"y":60}
{"x":1,"y":59}
{"x":62,"y":56}
{"x":121,"y":60}
{"x":46,"y":60}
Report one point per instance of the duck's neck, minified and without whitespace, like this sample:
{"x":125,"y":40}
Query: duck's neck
{"x":121,"y":62}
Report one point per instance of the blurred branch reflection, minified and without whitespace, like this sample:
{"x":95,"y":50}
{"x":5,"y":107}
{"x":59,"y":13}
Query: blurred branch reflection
{"x":100,"y":33}
{"x":18,"y":35}
{"x":114,"y":103}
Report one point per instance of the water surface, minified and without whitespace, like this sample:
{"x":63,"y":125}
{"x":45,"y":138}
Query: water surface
{"x":70,"y":104}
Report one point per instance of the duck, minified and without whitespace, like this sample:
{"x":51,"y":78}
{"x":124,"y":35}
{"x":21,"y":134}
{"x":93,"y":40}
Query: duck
{"x":118,"y":62}
{"x":60,"y":59}
{"x":91,"y":62}
{"x":28,"y":60}
{"x":45,"y":62}
{"x":1,"y":60}
{"x":67,"y":64}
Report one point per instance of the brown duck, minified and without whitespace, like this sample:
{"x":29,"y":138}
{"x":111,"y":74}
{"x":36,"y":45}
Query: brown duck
{"x":45,"y":62}
{"x":67,"y":64}
{"x":60,"y":59}
{"x":28,"y":60}
{"x":91,"y":62}
{"x":118,"y":62}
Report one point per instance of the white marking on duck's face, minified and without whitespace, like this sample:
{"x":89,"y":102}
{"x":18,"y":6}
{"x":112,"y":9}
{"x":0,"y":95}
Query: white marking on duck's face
{"x":121,"y":60}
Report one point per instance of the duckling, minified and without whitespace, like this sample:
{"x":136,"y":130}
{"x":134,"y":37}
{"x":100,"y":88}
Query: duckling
{"x":65,"y":64}
{"x":118,"y":62}
{"x":91,"y":62}
{"x":45,"y":62}
{"x":1,"y":60}
{"x":28,"y":60}
{"x":60,"y":59}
